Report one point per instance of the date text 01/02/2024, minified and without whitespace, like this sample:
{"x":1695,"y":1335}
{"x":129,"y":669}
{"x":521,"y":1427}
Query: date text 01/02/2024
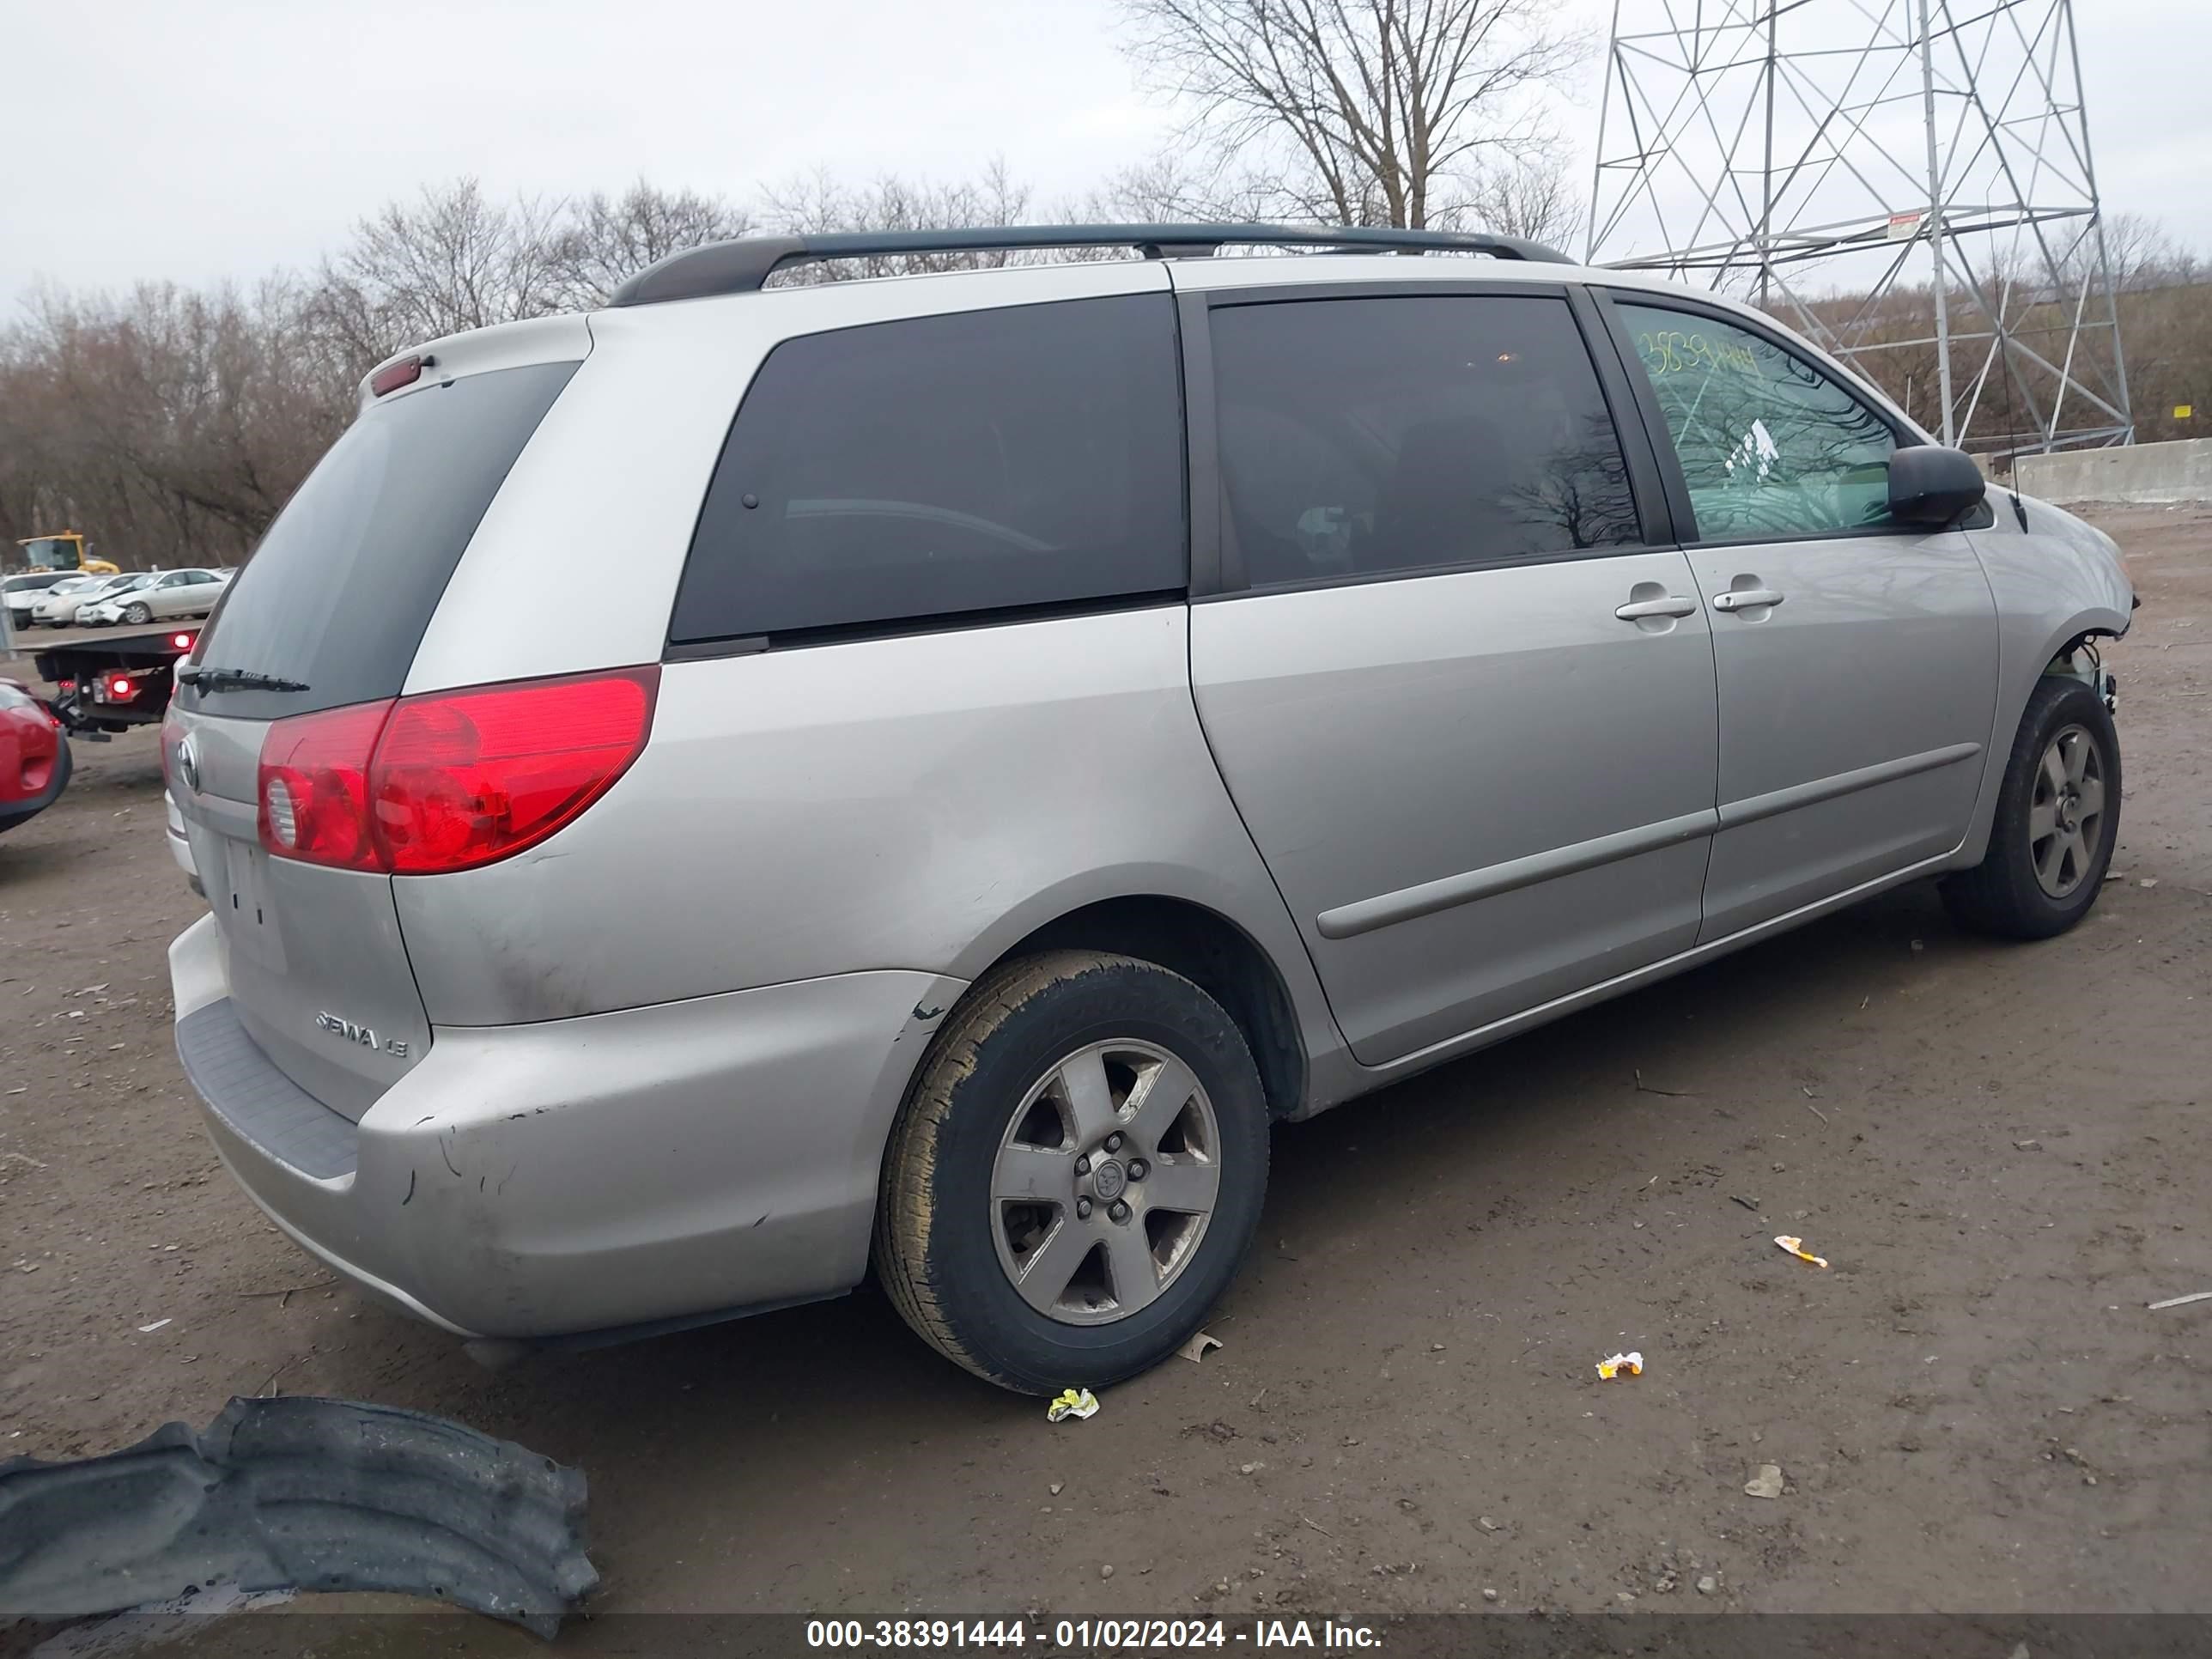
{"x":1136,"y":1634}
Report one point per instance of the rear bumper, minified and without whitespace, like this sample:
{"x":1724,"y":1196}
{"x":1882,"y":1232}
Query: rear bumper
{"x":573,"y":1176}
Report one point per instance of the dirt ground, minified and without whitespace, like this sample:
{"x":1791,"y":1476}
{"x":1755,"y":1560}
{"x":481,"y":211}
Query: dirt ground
{"x":2004,"y":1150}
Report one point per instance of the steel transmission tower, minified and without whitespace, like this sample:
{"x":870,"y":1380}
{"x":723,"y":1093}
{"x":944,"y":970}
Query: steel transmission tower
{"x":1909,"y":182}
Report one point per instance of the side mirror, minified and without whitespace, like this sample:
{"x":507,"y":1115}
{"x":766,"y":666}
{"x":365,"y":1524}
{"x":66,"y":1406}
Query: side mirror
{"x":1932,"y":486}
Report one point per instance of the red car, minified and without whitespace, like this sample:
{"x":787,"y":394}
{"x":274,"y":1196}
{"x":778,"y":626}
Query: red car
{"x":34,"y":756}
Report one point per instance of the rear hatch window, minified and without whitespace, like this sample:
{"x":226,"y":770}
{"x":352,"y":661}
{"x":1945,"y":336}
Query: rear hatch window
{"x":340,"y":593}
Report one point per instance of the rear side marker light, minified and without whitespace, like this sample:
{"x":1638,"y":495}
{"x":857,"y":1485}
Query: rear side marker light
{"x":447,"y":781}
{"x":182,"y":642}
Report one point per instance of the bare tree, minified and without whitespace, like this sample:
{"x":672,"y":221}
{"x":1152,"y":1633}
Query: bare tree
{"x":1529,"y":197}
{"x":448,"y":261}
{"x":604,"y":240}
{"x":816,"y":204}
{"x":172,"y":424}
{"x":1176,"y":187}
{"x":1360,"y":111}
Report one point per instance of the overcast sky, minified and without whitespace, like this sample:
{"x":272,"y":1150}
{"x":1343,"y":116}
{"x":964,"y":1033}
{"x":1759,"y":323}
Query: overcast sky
{"x":221,"y":138}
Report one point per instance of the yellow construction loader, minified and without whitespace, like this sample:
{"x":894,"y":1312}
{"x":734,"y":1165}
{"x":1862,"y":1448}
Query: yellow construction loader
{"x":67,"y":551}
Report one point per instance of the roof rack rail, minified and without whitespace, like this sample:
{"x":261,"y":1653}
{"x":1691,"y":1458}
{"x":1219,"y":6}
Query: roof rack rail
{"x":743,"y":265}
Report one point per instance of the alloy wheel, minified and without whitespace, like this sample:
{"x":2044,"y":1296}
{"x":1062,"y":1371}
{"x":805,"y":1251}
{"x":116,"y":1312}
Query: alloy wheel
{"x":2066,"y":812}
{"x":1104,"y":1182}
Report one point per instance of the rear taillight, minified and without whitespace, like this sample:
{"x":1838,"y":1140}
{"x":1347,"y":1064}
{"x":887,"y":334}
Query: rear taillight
{"x":462,"y":778}
{"x":453,"y":779}
{"x":315,"y":786}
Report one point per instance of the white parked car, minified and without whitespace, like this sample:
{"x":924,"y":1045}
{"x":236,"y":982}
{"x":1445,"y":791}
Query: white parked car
{"x":95,"y":612}
{"x":161,"y":595}
{"x":21,"y":594}
{"x":58,"y":609}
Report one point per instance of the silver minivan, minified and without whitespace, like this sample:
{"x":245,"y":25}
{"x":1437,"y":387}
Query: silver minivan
{"x":1062,"y":718}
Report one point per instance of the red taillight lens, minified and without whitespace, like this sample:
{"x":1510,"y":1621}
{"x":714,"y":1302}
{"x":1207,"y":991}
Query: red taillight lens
{"x":315,"y":786}
{"x":463,"y":778}
{"x":392,"y":376}
{"x":118,"y":689}
{"x":453,"y":779}
{"x":182,"y":642}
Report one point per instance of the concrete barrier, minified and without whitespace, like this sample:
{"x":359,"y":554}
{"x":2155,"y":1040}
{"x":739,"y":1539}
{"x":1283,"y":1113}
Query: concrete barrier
{"x":2151,"y":473}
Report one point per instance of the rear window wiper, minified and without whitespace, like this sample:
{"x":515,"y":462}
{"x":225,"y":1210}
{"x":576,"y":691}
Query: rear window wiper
{"x":236,"y":679}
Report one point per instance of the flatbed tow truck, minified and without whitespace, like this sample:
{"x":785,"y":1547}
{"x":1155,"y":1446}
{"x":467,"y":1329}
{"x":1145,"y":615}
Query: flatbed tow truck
{"x":109,"y":685}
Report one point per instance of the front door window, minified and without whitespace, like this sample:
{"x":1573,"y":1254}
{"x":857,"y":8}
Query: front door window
{"x":1770,"y":445}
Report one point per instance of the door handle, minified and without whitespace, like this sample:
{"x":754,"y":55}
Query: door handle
{"x":1672,"y":605}
{"x":1745,"y":598}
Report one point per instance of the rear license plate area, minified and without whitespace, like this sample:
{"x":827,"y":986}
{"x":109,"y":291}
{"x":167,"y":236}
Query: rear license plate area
{"x":244,"y":903}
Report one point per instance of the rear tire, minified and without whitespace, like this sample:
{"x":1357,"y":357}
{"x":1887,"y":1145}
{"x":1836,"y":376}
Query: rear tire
{"x":1121,"y":1102}
{"x":2057,"y":820}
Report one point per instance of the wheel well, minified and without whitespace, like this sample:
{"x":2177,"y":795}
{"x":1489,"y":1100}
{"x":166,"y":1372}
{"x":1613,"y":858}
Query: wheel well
{"x":2079,"y":640}
{"x":1211,"y":953}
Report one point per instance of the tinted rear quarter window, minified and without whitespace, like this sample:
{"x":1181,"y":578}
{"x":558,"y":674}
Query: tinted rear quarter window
{"x":1372,"y":435}
{"x":341,"y":589}
{"x":980,"y":462}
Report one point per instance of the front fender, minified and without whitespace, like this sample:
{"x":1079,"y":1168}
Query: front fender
{"x":2055,"y":580}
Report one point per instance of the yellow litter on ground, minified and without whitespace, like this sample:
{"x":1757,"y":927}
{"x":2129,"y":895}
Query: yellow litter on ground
{"x":1796,"y":1248}
{"x":1072,"y":1402}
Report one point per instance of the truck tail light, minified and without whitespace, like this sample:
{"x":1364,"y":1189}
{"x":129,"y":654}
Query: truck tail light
{"x":452,"y":780}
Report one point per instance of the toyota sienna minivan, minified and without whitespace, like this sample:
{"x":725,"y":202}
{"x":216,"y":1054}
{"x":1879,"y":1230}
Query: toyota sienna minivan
{"x":1064,"y":719}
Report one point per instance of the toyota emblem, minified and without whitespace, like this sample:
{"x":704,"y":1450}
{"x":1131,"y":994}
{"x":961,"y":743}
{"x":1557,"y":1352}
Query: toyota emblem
{"x":188,"y":763}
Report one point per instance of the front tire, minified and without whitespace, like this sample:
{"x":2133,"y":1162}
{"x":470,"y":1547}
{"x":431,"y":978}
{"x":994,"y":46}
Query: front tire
{"x":2057,"y":820}
{"x":137,"y":615}
{"x":1076,"y":1173}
